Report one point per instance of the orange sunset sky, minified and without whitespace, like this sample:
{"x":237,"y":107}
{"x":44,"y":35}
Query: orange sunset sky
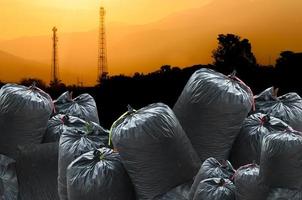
{"x":142,"y":35}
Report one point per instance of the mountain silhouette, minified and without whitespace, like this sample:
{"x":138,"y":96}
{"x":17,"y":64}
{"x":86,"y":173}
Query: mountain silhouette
{"x":12,"y":68}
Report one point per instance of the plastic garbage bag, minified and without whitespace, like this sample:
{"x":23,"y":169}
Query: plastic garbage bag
{"x":155,"y":150}
{"x":247,"y":146}
{"x":215,"y":189}
{"x":284,"y":194}
{"x":287,"y":107}
{"x":281,"y":160}
{"x":24,"y":112}
{"x":212,"y":168}
{"x":75,"y":141}
{"x":83,"y":106}
{"x":57,"y":124}
{"x":180,"y":192}
{"x":37,"y":170}
{"x":211,"y":109}
{"x":8,"y":179}
{"x":247,"y":182}
{"x":99,"y":174}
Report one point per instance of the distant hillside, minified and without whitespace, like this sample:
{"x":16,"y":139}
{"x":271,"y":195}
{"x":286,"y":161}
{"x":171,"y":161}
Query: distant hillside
{"x":182,"y":39}
{"x":13,"y":68}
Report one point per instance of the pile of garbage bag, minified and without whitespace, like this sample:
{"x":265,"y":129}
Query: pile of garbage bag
{"x":219,"y":142}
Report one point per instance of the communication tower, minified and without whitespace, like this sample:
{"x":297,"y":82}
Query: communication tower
{"x":102,"y":55}
{"x":54,"y":63}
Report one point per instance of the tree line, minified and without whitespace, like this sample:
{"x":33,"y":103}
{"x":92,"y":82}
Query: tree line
{"x":233,"y":53}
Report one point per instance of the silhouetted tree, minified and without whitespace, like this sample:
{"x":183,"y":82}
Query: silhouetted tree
{"x":57,"y":89}
{"x":55,"y":83}
{"x":138,"y":75}
{"x":165,"y":68}
{"x":233,"y":53}
{"x":102,"y":78}
{"x":288,"y":70}
{"x":116,"y":92}
{"x":176,"y":69}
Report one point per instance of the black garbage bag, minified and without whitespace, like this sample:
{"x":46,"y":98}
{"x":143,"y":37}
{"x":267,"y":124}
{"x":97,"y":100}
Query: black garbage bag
{"x":96,"y":173}
{"x":58,"y":123}
{"x":8,"y":179}
{"x":75,"y":141}
{"x":211,"y":110}
{"x":281,"y":160}
{"x":215,"y":189}
{"x":55,"y":127}
{"x":155,"y":150}
{"x":247,"y":182}
{"x":287,"y":107}
{"x":24,"y":112}
{"x":212,"y":168}
{"x":37,"y":170}
{"x":284,"y":194}
{"x":247,"y":146}
{"x":83,"y":106}
{"x":180,"y":192}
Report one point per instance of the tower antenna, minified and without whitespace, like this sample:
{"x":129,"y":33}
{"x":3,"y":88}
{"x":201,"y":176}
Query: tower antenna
{"x":54,"y":63}
{"x":102,"y":55}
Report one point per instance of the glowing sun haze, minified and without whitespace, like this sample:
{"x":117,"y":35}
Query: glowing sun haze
{"x":30,"y":18}
{"x":142,"y":35}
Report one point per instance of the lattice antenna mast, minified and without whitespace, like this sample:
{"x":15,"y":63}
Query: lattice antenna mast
{"x":102,"y":56}
{"x":54,"y":65}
